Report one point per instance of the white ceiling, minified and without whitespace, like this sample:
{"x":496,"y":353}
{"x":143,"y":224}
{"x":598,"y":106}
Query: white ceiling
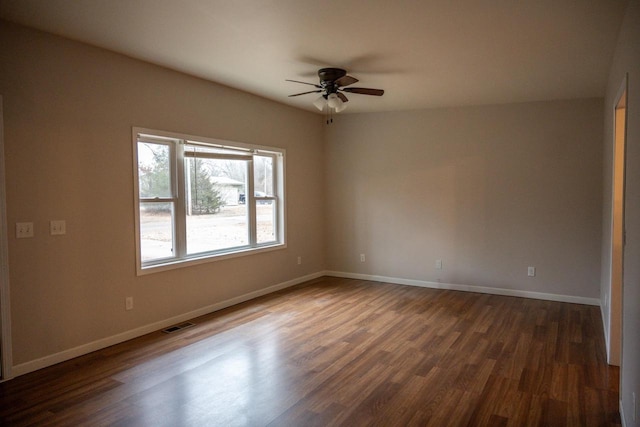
{"x":424,"y":53}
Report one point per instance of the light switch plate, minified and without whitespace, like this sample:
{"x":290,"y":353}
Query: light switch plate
{"x":57,"y":227}
{"x":24,"y":230}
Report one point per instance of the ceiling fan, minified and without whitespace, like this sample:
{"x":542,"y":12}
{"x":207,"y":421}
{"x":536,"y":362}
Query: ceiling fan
{"x":331,"y":88}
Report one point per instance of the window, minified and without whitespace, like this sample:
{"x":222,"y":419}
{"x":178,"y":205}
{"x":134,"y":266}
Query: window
{"x":199,"y":198}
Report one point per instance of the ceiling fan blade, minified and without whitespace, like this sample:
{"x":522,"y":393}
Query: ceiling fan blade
{"x":346,"y":81}
{"x":304,"y":93}
{"x":305,"y":83}
{"x":342,"y":97}
{"x":364,"y":91}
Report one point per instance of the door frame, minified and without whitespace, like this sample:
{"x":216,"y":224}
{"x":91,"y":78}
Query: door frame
{"x":6,"y":361}
{"x":616,"y":286}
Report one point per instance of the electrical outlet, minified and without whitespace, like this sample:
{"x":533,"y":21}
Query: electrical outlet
{"x":531,"y":271}
{"x":362,"y":258}
{"x":128,"y":303}
{"x":24,"y":230}
{"x":439,"y":264}
{"x":299,"y":260}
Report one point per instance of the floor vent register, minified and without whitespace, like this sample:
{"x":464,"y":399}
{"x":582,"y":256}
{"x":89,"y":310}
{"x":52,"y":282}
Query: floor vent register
{"x":176,"y":328}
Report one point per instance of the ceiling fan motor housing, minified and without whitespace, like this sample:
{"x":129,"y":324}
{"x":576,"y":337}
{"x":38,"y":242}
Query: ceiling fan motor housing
{"x":328,"y":77}
{"x":331,"y":74}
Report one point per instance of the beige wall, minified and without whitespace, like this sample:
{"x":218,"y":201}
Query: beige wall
{"x":68,"y":112}
{"x":488,"y":190}
{"x":626,"y":60}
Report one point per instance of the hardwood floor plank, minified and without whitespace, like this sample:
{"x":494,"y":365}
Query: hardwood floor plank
{"x":341,"y":352}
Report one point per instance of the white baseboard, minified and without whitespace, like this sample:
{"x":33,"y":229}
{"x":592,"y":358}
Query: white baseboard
{"x":622,"y":420}
{"x":62,"y":356}
{"x":605,"y":331}
{"x":467,"y":288}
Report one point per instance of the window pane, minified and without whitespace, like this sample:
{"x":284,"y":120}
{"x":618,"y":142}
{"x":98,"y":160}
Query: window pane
{"x":265,"y":212}
{"x":228,"y":228}
{"x":154,"y":170}
{"x":263,"y":175}
{"x":217,"y":215}
{"x":156,"y":231}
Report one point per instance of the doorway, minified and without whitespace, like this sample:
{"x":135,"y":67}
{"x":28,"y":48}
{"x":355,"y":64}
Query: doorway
{"x":618,"y":230}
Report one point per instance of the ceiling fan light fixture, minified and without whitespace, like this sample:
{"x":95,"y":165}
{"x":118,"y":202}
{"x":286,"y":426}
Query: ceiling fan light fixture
{"x":341,"y":107}
{"x":333,"y":101}
{"x":320,"y":103}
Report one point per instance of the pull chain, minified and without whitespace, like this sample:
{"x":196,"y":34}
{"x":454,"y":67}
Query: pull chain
{"x":329,"y":115}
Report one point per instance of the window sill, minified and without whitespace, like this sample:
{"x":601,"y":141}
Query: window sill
{"x":175,"y":264}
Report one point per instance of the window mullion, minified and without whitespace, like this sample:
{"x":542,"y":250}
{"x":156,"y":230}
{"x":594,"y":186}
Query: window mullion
{"x":201,"y":155}
{"x":276,"y":192}
{"x":179,"y":188}
{"x":251,"y":203}
{"x":157,"y":200}
{"x":279,"y":190}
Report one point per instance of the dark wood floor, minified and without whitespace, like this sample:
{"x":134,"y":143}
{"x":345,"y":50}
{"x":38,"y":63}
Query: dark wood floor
{"x":342,"y":352}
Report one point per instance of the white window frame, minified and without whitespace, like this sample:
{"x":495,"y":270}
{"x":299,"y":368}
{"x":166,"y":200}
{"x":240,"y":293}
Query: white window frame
{"x":177,"y":155}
